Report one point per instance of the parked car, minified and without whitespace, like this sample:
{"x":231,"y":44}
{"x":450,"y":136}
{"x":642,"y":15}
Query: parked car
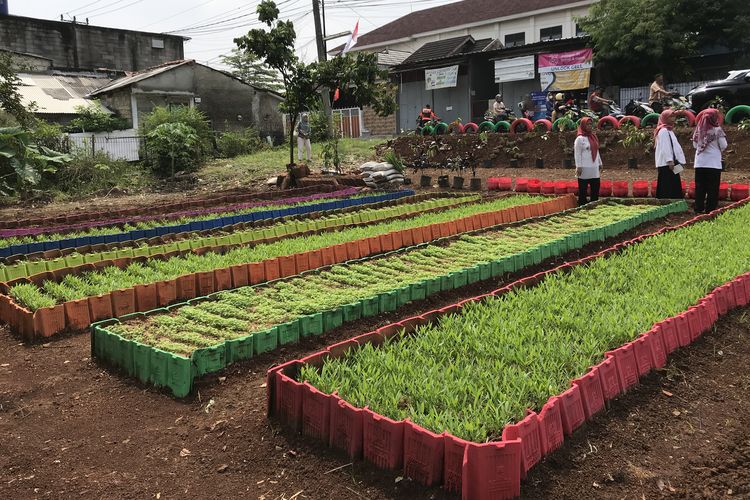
{"x":734,"y":90}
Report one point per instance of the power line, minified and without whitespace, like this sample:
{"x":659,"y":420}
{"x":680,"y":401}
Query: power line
{"x":119,"y":8}
{"x":103,"y":7}
{"x":178,"y":14}
{"x":83,"y":7}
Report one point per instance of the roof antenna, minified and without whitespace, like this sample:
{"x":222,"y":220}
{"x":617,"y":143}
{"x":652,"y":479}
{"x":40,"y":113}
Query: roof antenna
{"x":87,"y":21}
{"x":74,"y":19}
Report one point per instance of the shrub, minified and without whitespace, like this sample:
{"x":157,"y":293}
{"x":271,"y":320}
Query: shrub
{"x":173,"y":147}
{"x":50,"y":135}
{"x":86,"y":174}
{"x":186,"y":115}
{"x":231,"y":144}
{"x":22,"y":162}
{"x":319,"y":128}
{"x":93,"y":118}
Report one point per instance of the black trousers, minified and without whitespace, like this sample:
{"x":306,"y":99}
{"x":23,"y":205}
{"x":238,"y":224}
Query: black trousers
{"x":669,"y":185}
{"x":583,"y":185}
{"x":707,"y":182}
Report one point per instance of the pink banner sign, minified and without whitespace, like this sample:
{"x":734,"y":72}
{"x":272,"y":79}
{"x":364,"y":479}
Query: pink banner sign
{"x":565,"y":61}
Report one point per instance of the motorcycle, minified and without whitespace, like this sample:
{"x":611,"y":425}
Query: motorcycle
{"x":638,"y":108}
{"x":674,"y":101}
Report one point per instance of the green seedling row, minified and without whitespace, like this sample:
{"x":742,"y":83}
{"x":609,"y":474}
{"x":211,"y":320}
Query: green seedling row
{"x":93,"y":283}
{"x":23,"y":269}
{"x":98,"y":231}
{"x":281,"y":312}
{"x":472,"y":373}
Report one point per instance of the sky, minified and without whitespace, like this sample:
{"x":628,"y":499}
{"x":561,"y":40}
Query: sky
{"x":213,"y":24}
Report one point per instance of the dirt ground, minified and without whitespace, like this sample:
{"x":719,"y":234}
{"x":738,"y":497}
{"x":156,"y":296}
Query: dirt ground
{"x":70,"y":427}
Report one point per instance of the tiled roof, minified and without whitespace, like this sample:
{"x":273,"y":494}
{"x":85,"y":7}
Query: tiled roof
{"x":447,"y":48}
{"x":450,"y":15}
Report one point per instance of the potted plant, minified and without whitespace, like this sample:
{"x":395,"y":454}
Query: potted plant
{"x":539,"y":159}
{"x":456,"y":164}
{"x":633,"y":136}
{"x":567,"y":150}
{"x":476,"y":182}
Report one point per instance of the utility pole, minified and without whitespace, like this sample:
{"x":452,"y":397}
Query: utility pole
{"x":321,"y":44}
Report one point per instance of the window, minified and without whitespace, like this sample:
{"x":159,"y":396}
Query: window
{"x":515,"y":39}
{"x":157,"y":43}
{"x":580,"y":32}
{"x":553,"y":33}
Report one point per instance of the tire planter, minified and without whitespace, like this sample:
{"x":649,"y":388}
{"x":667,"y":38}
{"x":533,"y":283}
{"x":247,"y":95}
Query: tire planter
{"x":737,"y":114}
{"x":630,"y":119}
{"x":650,"y":120}
{"x":427,"y":130}
{"x":698,"y":116}
{"x":470,"y":128}
{"x":441,"y":129}
{"x":562,"y":124}
{"x":608,"y":120}
{"x":543,"y":122}
{"x":486,"y":126}
{"x":502,"y":126}
{"x":455,"y":128}
{"x":687,"y":114}
{"x":527,"y":124}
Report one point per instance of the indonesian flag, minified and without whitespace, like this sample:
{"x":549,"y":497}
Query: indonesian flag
{"x":352,"y":39}
{"x":336,"y":95}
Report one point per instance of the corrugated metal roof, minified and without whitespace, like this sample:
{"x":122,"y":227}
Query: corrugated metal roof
{"x":58,"y":94}
{"x":392,"y":57}
{"x":140,"y":75}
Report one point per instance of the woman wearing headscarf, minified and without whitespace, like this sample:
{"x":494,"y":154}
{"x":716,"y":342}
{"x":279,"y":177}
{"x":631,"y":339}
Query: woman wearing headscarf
{"x":709,"y":141}
{"x":669,"y":157}
{"x":588,"y":161}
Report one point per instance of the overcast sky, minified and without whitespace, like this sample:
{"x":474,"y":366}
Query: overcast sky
{"x":213,"y":24}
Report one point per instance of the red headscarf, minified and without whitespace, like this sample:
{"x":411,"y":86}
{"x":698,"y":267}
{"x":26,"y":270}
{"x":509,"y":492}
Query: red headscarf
{"x":707,"y":130}
{"x":593,"y":141}
{"x":663,"y":117}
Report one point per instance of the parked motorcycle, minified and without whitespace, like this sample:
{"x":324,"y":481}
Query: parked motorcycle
{"x":674,"y":101}
{"x":638,"y":108}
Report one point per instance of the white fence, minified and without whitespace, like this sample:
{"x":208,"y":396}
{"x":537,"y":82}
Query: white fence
{"x":641,"y":93}
{"x":350,"y":123}
{"x":119,"y":144}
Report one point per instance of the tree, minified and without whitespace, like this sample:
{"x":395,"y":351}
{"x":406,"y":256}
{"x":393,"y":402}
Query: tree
{"x":10,"y":99}
{"x":358,"y":75}
{"x":643,"y":37}
{"x":246,"y":67}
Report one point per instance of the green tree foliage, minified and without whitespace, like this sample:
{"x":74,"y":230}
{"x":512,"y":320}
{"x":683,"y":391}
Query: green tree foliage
{"x":10,"y":99}
{"x":173,"y":147}
{"x":231,"y":144}
{"x":22,"y":162}
{"x":247,"y":68}
{"x":642,"y":37}
{"x":357,"y":75}
{"x":94,"y":118}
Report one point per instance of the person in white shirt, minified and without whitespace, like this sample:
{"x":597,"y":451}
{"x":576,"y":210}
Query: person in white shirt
{"x":498,"y":108}
{"x":709,"y":141}
{"x":669,"y":157}
{"x":588,"y":161}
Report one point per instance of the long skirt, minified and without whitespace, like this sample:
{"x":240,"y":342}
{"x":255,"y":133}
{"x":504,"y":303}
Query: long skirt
{"x":668,"y":184}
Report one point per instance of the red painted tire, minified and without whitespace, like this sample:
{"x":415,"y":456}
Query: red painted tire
{"x":608,"y":120}
{"x":698,"y":117}
{"x":471,"y":128}
{"x":455,"y":128}
{"x":543,"y":123}
{"x":521,"y":121}
{"x":687,"y":114}
{"x":630,"y":119}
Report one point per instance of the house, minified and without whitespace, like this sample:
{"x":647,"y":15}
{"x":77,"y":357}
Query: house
{"x":75,"y":45}
{"x":471,"y":34}
{"x":229,"y":102}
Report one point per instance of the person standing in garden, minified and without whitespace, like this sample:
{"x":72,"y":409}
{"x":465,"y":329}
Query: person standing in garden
{"x":588,"y":161}
{"x":709,"y":141}
{"x":669,"y":157}
{"x":303,"y":137}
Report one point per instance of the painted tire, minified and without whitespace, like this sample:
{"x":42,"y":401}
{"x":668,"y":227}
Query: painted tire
{"x":698,"y":117}
{"x":543,"y":123}
{"x":562,"y":124}
{"x":630,"y":119}
{"x":440,"y":129}
{"x":428,"y":130}
{"x":502,"y":126}
{"x":471,"y":128}
{"x":455,"y":128}
{"x":737,"y":114}
{"x":687,"y":114}
{"x":487,"y":126}
{"x":650,"y":120}
{"x":521,"y":121}
{"x":608,"y":120}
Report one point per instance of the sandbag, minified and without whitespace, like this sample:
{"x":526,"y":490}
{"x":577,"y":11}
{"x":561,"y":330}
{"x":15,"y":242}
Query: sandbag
{"x":368,"y":166}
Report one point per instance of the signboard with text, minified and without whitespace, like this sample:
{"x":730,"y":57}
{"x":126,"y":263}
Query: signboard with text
{"x":441,"y":78}
{"x":565,"y":70}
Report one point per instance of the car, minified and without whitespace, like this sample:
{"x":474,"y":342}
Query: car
{"x":734,"y":90}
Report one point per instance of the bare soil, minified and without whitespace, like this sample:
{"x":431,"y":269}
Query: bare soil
{"x":70,"y":427}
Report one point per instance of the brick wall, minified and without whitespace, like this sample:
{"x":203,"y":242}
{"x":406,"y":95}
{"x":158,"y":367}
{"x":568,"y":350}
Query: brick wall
{"x":377,"y":125}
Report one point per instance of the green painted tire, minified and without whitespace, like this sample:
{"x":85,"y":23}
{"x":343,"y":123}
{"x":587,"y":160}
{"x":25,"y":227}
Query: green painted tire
{"x":486,"y":126}
{"x":441,"y":128}
{"x":428,"y":130}
{"x":649,"y":120}
{"x":562,"y":124}
{"x":502,"y":126}
{"x":743,"y":112}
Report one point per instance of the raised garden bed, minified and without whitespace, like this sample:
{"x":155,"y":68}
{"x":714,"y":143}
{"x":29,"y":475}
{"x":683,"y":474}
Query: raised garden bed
{"x":524,"y":346}
{"x":215,"y":331}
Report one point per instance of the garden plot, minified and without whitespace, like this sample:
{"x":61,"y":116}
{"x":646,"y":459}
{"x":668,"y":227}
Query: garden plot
{"x":469,"y":378}
{"x":247,"y":321}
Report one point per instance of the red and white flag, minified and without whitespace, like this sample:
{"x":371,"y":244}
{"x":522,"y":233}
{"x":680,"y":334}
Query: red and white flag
{"x":352,"y":39}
